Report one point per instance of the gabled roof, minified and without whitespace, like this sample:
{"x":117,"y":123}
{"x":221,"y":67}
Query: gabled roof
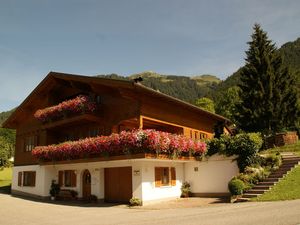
{"x":127,"y":84}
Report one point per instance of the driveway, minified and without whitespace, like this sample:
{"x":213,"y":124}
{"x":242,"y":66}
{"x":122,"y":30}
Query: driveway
{"x":17,"y":211}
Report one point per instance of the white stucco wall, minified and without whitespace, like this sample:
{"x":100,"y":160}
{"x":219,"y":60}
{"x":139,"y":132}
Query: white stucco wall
{"x":150,"y":192}
{"x":42,"y":183}
{"x":211,"y":175}
{"x":45,"y":175}
{"x":208,"y":176}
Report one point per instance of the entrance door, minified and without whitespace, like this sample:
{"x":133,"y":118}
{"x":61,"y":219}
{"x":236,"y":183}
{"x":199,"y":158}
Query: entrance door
{"x":86,"y":184}
{"x":118,"y":184}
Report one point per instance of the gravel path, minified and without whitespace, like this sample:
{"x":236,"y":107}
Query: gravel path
{"x":17,"y":211}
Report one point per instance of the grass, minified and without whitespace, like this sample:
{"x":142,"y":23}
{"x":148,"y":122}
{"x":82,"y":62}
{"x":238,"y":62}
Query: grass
{"x":5,"y":177}
{"x":287,"y":189}
{"x":287,"y":148}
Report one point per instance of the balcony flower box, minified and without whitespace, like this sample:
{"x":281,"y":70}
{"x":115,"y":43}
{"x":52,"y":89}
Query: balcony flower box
{"x":78,"y":105}
{"x":126,"y":142}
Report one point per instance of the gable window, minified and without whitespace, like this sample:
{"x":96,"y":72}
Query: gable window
{"x":165,"y":176}
{"x":67,"y":178}
{"x":30,"y":143}
{"x":28,"y":178}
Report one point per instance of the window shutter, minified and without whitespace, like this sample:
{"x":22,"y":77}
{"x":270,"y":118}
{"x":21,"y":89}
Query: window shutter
{"x":158,"y":172}
{"x":73,"y":178}
{"x":33,"y":175}
{"x":61,"y":177}
{"x":20,"y":178}
{"x":173,"y":176}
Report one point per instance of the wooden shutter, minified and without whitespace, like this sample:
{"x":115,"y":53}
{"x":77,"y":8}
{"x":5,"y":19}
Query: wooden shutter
{"x":173,"y":176}
{"x":20,"y":178}
{"x":61,"y":177}
{"x":32,"y":179}
{"x":158,"y":173}
{"x":73,"y":178}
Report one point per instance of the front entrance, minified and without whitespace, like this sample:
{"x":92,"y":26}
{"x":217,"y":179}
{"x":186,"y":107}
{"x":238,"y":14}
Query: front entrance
{"x":86,"y":184}
{"x":118,"y":184}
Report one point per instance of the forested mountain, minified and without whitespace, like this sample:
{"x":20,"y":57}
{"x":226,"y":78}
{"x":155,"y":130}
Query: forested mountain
{"x":183,"y":87}
{"x":4,"y":116}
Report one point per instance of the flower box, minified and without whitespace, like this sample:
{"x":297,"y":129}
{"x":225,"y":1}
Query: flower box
{"x":80,"y":104}
{"x":127,"y":142}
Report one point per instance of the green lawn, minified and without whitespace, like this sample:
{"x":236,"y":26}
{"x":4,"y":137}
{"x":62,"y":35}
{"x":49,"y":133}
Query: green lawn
{"x":287,"y":189}
{"x":287,"y":148}
{"x":5,"y":177}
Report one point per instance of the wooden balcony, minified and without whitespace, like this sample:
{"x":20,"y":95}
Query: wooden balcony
{"x":73,"y":120}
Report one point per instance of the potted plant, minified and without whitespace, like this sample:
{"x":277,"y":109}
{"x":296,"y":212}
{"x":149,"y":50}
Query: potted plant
{"x":185,"y":189}
{"x":54,"y":190}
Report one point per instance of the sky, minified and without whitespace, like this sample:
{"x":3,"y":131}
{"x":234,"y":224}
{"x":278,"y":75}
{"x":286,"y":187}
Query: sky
{"x":90,"y":37}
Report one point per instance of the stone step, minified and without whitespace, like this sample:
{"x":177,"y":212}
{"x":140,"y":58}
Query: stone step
{"x":277,"y":176}
{"x":290,"y":162}
{"x":252,"y":191}
{"x":270,"y":183}
{"x":242,"y":200}
{"x":246,"y":195}
{"x":272,"y":179}
{"x":286,"y":167}
{"x":261,"y":187}
{"x":280,"y":171}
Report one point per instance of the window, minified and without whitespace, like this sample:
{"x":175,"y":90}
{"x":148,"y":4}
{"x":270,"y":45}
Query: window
{"x":203,"y":135}
{"x":165,"y":176}
{"x":28,"y":178}
{"x":20,"y":175}
{"x":67,"y":178}
{"x":196,"y":135}
{"x":30,"y":143}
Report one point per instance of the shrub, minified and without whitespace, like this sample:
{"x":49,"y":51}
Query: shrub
{"x":245,"y":146}
{"x":271,"y":161}
{"x":217,"y":145}
{"x":54,"y":189}
{"x":135,"y":202}
{"x":185,"y":189}
{"x":236,"y":186}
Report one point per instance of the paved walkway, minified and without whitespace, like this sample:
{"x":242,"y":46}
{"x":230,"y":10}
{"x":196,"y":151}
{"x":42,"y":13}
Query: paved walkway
{"x":16,"y":211}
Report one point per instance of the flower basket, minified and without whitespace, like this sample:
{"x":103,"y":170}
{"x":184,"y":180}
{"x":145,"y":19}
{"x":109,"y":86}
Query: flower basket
{"x":79,"y":105}
{"x":162,"y":144}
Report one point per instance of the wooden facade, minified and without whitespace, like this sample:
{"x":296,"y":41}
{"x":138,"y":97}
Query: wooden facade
{"x":122,"y":105}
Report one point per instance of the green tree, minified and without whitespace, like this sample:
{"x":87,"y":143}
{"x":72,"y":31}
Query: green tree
{"x":227,"y":101}
{"x":268,"y":91}
{"x":4,"y":152}
{"x":206,"y":104}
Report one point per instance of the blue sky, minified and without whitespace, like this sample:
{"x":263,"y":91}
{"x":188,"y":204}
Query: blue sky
{"x":189,"y":37}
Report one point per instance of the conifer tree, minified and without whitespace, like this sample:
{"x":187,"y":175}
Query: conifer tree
{"x":268,"y":91}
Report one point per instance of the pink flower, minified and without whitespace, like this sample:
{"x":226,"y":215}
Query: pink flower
{"x":117,"y":144}
{"x":79,"y":104}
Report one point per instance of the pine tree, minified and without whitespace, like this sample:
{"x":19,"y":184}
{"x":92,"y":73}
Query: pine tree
{"x":268,"y":91}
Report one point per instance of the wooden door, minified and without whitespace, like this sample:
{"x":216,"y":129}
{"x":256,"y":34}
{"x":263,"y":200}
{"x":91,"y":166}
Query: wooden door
{"x":86,"y":184}
{"x":118,"y":184}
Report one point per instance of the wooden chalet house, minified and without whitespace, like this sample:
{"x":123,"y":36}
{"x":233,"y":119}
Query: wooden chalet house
{"x":116,"y":106}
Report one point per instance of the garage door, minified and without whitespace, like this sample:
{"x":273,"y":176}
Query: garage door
{"x":118,"y":184}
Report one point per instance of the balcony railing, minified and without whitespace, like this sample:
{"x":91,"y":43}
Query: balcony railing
{"x":126,"y":142}
{"x":79,"y":105}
